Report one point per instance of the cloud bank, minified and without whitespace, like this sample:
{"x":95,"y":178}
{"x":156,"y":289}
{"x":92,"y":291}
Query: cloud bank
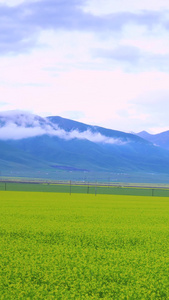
{"x":22,"y":24}
{"x":135,"y":58}
{"x":16,"y":126}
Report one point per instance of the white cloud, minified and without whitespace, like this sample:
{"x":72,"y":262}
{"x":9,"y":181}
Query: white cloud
{"x":19,"y":125}
{"x":98,"y":94}
{"x":93,"y":137}
{"x":13,"y":132}
{"x":137,"y":36}
{"x":12,"y":2}
{"x":62,"y":74}
{"x":99,"y":7}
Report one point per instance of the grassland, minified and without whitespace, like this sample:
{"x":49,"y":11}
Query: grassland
{"x":57,"y":246}
{"x":86,"y":188}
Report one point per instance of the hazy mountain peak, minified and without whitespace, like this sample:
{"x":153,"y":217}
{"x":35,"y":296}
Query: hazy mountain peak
{"x":159,"y":139}
{"x":62,"y":143}
{"x":19,"y":125}
{"x":21,"y":118}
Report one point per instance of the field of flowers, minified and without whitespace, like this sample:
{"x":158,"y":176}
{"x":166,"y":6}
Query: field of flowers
{"x":57,"y":246}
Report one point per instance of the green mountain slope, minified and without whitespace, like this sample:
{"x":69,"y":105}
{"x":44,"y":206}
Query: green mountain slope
{"x":56,"y":143}
{"x":14,"y":158}
{"x":95,"y":156}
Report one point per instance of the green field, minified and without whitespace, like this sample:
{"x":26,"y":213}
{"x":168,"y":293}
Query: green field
{"x":57,"y":246}
{"x":86,"y":188}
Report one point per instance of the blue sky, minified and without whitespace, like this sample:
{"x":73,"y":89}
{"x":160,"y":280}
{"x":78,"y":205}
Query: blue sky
{"x":101,"y":62}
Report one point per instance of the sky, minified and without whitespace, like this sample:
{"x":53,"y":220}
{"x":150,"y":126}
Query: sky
{"x":100,"y":62}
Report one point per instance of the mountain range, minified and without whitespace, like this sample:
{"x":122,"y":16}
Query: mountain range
{"x":160,"y":139}
{"x":31,"y":145}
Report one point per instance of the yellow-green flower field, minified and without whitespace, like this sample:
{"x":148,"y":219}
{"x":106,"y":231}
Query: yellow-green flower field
{"x":57,"y":246}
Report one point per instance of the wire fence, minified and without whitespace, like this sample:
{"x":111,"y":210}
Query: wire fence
{"x":84,"y":188}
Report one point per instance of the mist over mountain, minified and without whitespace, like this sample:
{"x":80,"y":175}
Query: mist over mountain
{"x":20,"y":125}
{"x":29,"y":143}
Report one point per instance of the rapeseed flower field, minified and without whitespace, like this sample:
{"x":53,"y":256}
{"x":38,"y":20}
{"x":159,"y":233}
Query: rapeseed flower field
{"x":61,"y":246}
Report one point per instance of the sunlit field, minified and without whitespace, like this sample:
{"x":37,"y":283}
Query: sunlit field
{"x":61,"y":246}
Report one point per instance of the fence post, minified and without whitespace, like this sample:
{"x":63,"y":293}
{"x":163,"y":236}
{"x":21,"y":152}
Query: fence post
{"x":70,"y":187}
{"x":88,"y":188}
{"x":95,"y":189}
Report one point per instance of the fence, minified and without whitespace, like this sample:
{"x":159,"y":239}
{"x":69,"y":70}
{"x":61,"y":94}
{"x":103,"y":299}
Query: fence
{"x":84,"y":188}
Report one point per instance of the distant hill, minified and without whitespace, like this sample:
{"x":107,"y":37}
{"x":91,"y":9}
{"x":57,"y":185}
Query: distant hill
{"x":160,"y":139}
{"x":30,"y":143}
{"x":70,"y":125}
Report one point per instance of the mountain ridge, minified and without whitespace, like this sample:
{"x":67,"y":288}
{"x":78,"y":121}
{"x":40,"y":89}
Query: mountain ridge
{"x":55,"y":144}
{"x":69,"y":125}
{"x":160,"y":139}
{"x":51,"y":126}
